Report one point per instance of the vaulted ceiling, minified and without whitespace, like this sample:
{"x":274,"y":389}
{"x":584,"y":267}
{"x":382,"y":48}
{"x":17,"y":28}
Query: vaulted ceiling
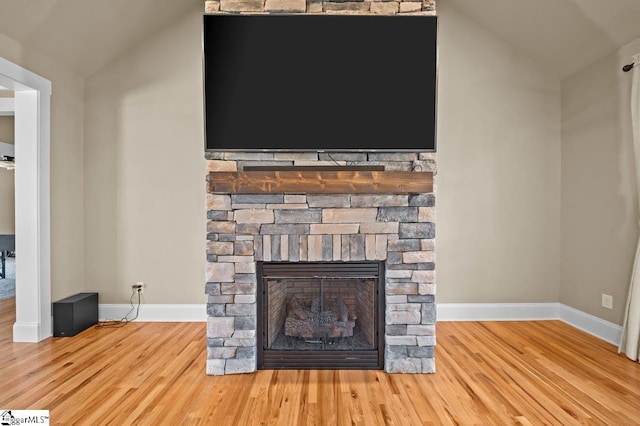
{"x":562,"y":36}
{"x":87,"y":34}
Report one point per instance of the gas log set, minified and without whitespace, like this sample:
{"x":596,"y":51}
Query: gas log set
{"x":314,"y":322}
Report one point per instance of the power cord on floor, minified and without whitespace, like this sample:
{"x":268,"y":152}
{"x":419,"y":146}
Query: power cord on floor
{"x":124,"y":320}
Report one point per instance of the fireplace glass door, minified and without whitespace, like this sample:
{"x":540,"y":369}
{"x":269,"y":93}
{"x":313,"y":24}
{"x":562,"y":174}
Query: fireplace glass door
{"x":314,"y":314}
{"x":321,"y":314}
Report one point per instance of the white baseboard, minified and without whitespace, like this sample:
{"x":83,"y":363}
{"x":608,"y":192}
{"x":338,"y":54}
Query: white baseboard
{"x":155,"y":312}
{"x":27,"y":332}
{"x":605,"y":330}
{"x":595,"y":326}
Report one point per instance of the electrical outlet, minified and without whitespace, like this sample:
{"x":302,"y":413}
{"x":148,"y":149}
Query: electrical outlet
{"x":607,"y":301}
{"x":139,"y":287}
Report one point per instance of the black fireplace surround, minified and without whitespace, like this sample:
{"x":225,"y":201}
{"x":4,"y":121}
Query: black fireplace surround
{"x":320,"y":315}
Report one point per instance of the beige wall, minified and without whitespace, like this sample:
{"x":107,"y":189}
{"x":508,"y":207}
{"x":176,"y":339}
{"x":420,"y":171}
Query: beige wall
{"x":498,"y":208}
{"x":6,"y":129}
{"x":599,"y":199}
{"x":67,"y":258}
{"x":500,"y":212}
{"x":145,"y":216}
{"x":7,"y":201}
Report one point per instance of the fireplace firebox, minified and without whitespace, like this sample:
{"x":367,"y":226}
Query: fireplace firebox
{"x":320,"y":315}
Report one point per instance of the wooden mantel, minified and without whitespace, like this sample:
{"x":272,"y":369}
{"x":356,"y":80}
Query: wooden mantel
{"x":320,"y":182}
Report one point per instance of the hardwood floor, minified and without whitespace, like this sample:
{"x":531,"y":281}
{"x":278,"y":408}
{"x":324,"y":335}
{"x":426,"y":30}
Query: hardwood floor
{"x":490,"y":373}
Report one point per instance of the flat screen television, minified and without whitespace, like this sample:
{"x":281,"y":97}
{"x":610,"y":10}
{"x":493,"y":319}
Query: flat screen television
{"x":320,"y":82}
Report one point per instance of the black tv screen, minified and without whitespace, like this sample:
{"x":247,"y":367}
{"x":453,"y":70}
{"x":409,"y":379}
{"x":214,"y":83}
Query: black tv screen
{"x":320,"y":82}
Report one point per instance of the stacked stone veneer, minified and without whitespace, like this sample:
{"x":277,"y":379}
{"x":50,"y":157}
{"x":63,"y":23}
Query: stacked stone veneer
{"x":386,"y":7}
{"x":397,"y":229}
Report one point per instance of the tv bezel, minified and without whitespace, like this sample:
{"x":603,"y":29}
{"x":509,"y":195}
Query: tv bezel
{"x":319,"y":150}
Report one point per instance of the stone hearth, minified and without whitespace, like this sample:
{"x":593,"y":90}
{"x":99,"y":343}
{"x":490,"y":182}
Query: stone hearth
{"x":245,"y":228}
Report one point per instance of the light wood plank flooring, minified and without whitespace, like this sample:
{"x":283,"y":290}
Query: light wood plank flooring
{"x":489,"y":373}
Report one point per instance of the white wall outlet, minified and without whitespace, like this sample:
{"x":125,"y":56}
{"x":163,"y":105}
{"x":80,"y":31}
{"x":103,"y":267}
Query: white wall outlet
{"x":607,"y":301}
{"x":138,"y":287}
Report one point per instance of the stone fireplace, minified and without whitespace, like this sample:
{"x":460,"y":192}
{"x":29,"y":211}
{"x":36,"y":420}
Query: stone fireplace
{"x":247,"y":231}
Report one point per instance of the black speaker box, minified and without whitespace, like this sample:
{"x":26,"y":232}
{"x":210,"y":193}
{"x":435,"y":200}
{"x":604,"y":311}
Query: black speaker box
{"x":75,"y":314}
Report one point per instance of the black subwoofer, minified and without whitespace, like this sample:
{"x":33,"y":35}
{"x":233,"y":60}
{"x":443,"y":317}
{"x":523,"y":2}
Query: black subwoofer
{"x":74,"y":314}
